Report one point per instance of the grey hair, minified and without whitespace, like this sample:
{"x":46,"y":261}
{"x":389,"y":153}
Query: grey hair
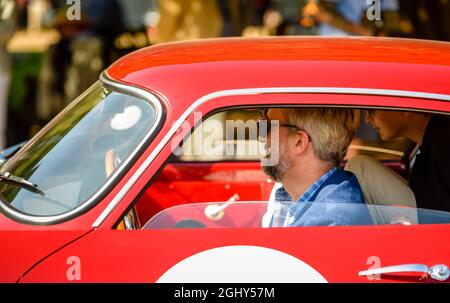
{"x":331,"y":129}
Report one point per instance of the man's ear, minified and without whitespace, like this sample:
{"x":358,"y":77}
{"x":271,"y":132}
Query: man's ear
{"x":301,"y":142}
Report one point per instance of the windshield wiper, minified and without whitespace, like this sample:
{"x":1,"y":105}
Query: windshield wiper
{"x":21,"y":182}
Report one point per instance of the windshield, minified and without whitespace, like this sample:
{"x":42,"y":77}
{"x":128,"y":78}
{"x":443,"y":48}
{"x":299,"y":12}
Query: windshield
{"x":290,"y":214}
{"x":78,"y":153}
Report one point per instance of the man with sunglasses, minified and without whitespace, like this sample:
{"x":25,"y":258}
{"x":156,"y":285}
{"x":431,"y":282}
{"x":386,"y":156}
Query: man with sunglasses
{"x":311,"y":145}
{"x":430,"y":175}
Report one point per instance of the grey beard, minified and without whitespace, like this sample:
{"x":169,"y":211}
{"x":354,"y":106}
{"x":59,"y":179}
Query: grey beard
{"x":277,"y":171}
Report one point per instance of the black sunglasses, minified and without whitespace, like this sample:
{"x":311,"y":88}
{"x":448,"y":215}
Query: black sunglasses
{"x":265,"y":126}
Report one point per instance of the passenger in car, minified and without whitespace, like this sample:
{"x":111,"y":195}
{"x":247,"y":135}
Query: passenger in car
{"x":312,"y":144}
{"x":430,"y":175}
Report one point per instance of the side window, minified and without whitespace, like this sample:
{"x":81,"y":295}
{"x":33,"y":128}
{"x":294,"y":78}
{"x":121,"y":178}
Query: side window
{"x":218,"y":161}
{"x":226,"y":136}
{"x":232,"y":136}
{"x":218,"y":165}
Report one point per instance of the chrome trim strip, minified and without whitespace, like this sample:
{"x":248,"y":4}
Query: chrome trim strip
{"x":252,"y":91}
{"x":138,"y":92}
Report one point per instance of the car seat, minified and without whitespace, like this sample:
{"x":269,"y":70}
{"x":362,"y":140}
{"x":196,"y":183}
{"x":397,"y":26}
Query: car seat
{"x":382,"y":186}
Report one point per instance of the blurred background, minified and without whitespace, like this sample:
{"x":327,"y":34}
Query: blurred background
{"x":52,"y":50}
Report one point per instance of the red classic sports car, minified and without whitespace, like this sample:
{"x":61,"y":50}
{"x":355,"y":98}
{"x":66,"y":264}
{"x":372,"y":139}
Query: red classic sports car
{"x":146,"y":177}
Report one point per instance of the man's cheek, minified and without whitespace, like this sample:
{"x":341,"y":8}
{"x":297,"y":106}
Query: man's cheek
{"x":272,"y":156}
{"x":273,"y":149}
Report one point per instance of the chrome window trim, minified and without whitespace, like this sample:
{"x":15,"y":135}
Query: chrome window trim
{"x":253,"y":91}
{"x":131,"y":90}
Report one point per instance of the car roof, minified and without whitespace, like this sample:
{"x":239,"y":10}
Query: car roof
{"x":189,"y":70}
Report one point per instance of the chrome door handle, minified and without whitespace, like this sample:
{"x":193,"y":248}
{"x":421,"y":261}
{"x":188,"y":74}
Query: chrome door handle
{"x":438,"y":272}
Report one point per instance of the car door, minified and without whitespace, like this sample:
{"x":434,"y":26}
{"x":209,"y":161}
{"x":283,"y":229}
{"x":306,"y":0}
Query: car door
{"x":359,"y":253}
{"x":251,"y":254}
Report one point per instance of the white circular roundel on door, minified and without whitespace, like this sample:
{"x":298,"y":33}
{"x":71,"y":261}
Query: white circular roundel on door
{"x":241,"y":264}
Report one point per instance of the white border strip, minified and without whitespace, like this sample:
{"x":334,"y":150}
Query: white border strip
{"x":252,"y":91}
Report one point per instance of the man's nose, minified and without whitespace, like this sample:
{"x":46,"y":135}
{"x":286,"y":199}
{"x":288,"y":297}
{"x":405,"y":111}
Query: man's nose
{"x":262,"y":131}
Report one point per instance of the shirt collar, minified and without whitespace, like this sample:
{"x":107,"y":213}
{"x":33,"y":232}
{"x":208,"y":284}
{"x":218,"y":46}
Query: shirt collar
{"x":285,"y":215}
{"x":282,"y":195}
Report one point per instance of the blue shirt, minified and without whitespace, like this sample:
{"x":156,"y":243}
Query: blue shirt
{"x":334,"y":199}
{"x":353,"y":11}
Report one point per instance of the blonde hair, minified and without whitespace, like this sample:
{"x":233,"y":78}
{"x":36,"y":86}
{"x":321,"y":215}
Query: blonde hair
{"x":331,"y":129}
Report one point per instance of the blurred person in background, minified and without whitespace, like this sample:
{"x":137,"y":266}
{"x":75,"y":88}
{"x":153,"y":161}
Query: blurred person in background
{"x":350,"y":17}
{"x":426,"y":19}
{"x":430,"y":173}
{"x":140,"y":18}
{"x":330,"y":17}
{"x":106,"y":21}
{"x":338,"y":17}
{"x":239,"y":15}
{"x":86,"y":46}
{"x":294,"y":22}
{"x":390,"y":23}
{"x":8,"y":12}
{"x":61,"y":53}
{"x":134,"y":13}
{"x":188,"y":19}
